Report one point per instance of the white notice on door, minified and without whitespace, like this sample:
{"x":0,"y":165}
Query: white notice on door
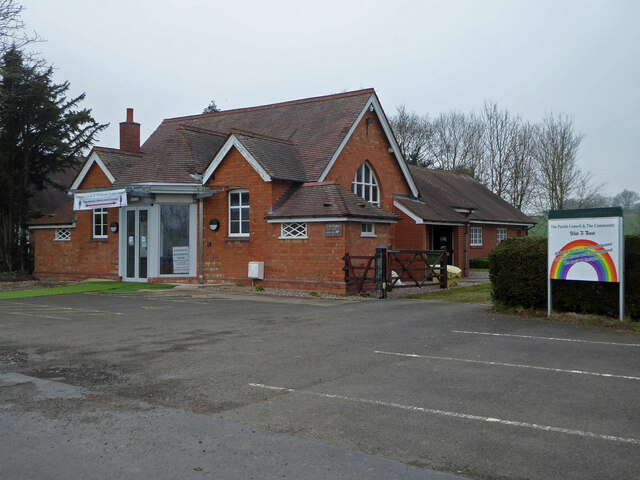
{"x":180,"y":259}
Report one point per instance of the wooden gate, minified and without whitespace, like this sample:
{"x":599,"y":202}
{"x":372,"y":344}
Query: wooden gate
{"x":416,"y":268}
{"x":359,"y":273}
{"x":396,"y":269}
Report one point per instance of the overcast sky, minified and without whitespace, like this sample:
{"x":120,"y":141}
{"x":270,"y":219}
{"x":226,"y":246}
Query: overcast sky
{"x":171,"y":58}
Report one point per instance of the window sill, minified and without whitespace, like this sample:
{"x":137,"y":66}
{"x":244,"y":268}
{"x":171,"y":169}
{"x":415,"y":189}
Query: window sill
{"x":100,"y":239}
{"x":238,"y":239}
{"x":475,"y":246}
{"x":293,"y":238}
{"x":368,"y":235}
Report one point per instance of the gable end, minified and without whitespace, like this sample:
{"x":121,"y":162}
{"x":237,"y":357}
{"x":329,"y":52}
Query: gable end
{"x":382,"y":118}
{"x":94,"y":159}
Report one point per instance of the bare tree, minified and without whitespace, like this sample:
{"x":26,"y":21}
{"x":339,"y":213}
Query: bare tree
{"x":413,"y":133}
{"x":500,"y":141}
{"x":521,"y":184}
{"x":626,"y":199}
{"x":556,"y":157}
{"x":457,"y":144}
{"x":12,"y":26}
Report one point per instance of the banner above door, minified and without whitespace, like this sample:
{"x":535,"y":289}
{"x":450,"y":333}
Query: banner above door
{"x":104,"y":199}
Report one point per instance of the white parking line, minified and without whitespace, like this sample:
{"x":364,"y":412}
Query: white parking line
{"x":547,"y":338}
{"x":465,"y":416}
{"x":515,"y":365}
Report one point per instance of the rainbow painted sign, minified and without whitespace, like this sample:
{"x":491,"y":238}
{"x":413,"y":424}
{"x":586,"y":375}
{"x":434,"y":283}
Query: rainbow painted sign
{"x":585,"y":249}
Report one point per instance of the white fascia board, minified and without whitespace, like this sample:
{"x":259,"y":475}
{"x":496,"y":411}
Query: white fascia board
{"x":61,"y":225}
{"x":373,"y":101}
{"x":408,"y":212}
{"x":93,"y":158}
{"x":217,"y":160}
{"x":328,"y":219}
{"x":513,"y":224}
{"x":421,"y":221}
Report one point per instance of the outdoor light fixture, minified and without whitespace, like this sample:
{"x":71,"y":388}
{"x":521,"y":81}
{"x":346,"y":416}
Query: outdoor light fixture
{"x":214,"y":224}
{"x":114,"y":227}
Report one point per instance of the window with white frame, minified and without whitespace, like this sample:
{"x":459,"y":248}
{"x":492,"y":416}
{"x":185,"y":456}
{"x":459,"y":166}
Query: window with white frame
{"x":501,"y":234}
{"x":100,"y":223}
{"x":368,"y":230}
{"x":62,"y":235}
{"x":476,"y":236}
{"x":365,"y":184}
{"x":239,"y":213}
{"x":293,"y":230}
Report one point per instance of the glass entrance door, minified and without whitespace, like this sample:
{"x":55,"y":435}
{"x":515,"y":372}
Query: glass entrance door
{"x":137,"y":246}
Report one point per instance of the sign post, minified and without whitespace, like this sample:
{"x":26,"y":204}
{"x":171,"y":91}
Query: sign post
{"x":586,"y":245}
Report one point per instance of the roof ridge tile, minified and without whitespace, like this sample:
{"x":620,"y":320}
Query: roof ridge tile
{"x":321,"y":98}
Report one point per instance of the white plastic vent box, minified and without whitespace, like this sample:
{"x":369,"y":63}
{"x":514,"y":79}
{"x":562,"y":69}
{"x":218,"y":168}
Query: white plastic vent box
{"x":256,"y":270}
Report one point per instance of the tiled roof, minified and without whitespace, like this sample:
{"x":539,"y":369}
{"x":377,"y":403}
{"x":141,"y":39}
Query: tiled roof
{"x":431,"y":208}
{"x":442,"y":192}
{"x":117,"y":162}
{"x":63,"y":215}
{"x":293,"y":141}
{"x":280,"y":158}
{"x":316,"y":126}
{"x":326,"y":199}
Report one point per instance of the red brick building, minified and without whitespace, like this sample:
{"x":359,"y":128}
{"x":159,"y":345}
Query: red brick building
{"x":276,"y":194}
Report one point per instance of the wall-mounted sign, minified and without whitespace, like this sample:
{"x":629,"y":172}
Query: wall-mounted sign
{"x":104,"y":199}
{"x":333,"y":230}
{"x":180,"y":259}
{"x":586,"y":245}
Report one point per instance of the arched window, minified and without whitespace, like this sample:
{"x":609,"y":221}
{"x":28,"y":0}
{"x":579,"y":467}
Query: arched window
{"x":365,"y":184}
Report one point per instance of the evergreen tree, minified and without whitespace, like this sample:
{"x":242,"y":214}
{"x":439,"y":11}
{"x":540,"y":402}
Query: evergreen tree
{"x":41,"y":132}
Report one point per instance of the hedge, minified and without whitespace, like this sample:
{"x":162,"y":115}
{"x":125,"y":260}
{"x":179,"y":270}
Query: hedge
{"x":480,"y":262}
{"x":518,"y":273}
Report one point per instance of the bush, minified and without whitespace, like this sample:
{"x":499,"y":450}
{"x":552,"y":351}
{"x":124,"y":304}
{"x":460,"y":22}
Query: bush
{"x":517,"y":270}
{"x":479,"y":262}
{"x":518,"y":273}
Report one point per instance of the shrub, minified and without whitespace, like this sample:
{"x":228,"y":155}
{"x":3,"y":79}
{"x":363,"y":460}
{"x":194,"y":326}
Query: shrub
{"x":259,"y":288}
{"x":517,"y":270}
{"x":479,"y":262}
{"x":518,"y":273}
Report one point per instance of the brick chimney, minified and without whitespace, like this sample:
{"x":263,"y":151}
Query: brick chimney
{"x":130,"y":134}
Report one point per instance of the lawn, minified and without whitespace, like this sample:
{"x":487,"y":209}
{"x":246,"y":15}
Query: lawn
{"x":83,"y":287}
{"x":473,"y":294}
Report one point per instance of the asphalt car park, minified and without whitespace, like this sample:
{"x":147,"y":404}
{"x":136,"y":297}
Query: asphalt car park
{"x":423,"y":386}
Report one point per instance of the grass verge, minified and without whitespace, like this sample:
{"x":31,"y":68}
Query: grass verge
{"x":84,"y":287}
{"x":473,"y":294}
{"x":482,"y":294}
{"x":572,"y":318}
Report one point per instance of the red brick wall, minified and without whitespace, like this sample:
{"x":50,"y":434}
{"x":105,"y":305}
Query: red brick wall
{"x":489,"y":238}
{"x":408,"y":234}
{"x":369,"y":143}
{"x":314,"y":263}
{"x":83,"y":256}
{"x":80,"y":258}
{"x":95,"y":178}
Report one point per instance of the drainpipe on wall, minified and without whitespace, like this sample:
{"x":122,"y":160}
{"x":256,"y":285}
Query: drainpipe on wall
{"x":466,"y":250}
{"x":201,"y":245}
